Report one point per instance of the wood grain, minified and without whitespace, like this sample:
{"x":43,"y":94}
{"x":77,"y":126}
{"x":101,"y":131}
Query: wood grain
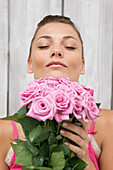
{"x":3,"y":56}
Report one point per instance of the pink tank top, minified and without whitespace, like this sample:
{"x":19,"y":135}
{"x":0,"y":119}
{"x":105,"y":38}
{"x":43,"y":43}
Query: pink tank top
{"x":14,"y":166}
{"x":93,"y":156}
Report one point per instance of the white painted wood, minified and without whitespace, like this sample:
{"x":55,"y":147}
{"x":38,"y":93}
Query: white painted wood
{"x":24,"y":16}
{"x":94,"y":20}
{"x":105,"y":52}
{"x":3,"y":56}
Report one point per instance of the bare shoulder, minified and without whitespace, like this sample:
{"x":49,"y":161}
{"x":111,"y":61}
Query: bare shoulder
{"x":104,"y":126}
{"x":105,"y":119}
{"x":104,"y":138}
{"x":6,"y":133}
{"x":6,"y":136}
{"x":5,"y":128}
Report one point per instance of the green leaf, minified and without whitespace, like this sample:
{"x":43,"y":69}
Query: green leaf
{"x":72,"y":154}
{"x":15,"y":117}
{"x":78,"y":123}
{"x":35,"y":133}
{"x":23,"y":110}
{"x":53,"y":147}
{"x":41,"y":138}
{"x":70,"y":118}
{"x":37,"y":160}
{"x":44,"y":134}
{"x":44,"y":152}
{"x":98,"y":104}
{"x":28,"y":124}
{"x":57,"y":160}
{"x":28,"y":168}
{"x":18,"y":148}
{"x":75,"y":163}
{"x":63,"y":148}
{"x":31,"y":147}
{"x":59,"y":137}
{"x":52,"y":139}
{"x":54,"y":124}
{"x":24,"y":156}
{"x":20,"y":114}
{"x":17,"y":140}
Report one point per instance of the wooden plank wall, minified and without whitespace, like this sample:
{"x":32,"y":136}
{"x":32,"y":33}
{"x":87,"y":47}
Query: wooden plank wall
{"x":3,"y":56}
{"x":18,"y":21}
{"x":94,"y":20}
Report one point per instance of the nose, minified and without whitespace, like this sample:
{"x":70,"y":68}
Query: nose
{"x":57,"y":49}
{"x":56,"y":53}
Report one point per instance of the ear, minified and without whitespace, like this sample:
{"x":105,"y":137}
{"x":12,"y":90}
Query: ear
{"x":82,"y":70}
{"x":29,"y":66}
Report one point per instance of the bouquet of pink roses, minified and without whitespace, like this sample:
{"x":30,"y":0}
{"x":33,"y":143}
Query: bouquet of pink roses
{"x":45,"y":103}
{"x":57,"y":98}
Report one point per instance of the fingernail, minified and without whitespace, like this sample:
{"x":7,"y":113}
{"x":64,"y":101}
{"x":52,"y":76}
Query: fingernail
{"x":62,"y":131}
{"x":66,"y":143}
{"x":65,"y":124}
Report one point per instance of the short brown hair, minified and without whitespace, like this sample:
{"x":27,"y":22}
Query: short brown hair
{"x":56,"y":18}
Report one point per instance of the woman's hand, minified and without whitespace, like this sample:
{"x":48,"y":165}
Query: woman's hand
{"x":80,"y":137}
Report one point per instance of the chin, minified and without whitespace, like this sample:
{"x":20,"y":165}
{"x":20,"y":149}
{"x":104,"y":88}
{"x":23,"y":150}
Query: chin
{"x":57,"y":75}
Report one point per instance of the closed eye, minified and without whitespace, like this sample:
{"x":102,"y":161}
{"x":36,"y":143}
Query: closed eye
{"x":43,"y":47}
{"x":71,"y":48}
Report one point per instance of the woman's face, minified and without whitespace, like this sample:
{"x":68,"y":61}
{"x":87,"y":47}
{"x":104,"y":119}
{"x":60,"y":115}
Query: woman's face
{"x":56,"y":52}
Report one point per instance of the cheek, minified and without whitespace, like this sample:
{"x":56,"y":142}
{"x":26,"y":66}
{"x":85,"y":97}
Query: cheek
{"x":38,"y":59}
{"x":74,"y":61}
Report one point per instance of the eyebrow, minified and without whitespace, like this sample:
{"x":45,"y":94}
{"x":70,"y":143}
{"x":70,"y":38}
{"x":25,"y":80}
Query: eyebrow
{"x":65,"y":37}
{"x":45,"y":36}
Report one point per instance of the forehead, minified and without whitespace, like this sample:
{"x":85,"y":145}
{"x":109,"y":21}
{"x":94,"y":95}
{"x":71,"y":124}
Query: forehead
{"x":58,"y":30}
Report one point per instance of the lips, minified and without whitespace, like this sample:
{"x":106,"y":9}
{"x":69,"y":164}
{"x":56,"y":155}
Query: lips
{"x":56,"y":63}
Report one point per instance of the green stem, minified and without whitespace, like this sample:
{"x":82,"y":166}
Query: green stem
{"x":63,"y":139}
{"x":45,"y":123}
{"x":58,"y":127}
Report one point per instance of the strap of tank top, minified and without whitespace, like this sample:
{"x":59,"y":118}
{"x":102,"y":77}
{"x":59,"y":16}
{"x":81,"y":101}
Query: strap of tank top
{"x":14,"y":129}
{"x":91,"y":131}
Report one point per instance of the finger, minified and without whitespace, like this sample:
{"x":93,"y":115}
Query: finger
{"x":76,"y":129}
{"x":75,"y":138}
{"x":85,"y":125}
{"x":79,"y":152}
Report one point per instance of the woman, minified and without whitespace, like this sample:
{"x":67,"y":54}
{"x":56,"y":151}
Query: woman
{"x":57,"y":51}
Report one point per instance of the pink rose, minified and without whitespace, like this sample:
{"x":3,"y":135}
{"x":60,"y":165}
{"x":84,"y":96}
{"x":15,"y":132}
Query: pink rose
{"x":58,"y":97}
{"x":37,"y":81}
{"x":77,"y":88}
{"x":91,"y":91}
{"x":28,"y":95}
{"x":51,"y":82}
{"x":64,"y":81}
{"x":42,"y":108}
{"x":78,"y":108}
{"x":51,"y":79}
{"x":64,"y":88}
{"x":91,"y":109}
{"x":64,"y":105}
